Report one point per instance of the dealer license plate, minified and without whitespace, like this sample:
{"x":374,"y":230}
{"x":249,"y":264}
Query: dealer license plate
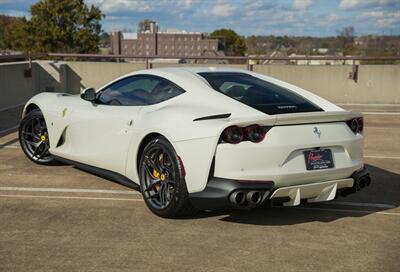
{"x":318,"y":159}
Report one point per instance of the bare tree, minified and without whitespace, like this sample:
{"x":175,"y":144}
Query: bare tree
{"x":346,"y":38}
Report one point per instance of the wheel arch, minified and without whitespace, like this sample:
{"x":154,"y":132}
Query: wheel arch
{"x":30,"y":107}
{"x":145,"y":140}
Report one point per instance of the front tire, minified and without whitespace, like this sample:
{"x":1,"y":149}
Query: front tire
{"x":34,"y":138}
{"x":162,"y":180}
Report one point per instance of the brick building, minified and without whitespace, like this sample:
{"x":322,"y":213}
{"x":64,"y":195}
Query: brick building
{"x":171,"y":44}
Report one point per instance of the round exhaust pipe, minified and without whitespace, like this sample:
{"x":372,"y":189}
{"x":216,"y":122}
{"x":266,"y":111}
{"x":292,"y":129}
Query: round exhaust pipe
{"x":254,"y":197}
{"x":237,"y":198}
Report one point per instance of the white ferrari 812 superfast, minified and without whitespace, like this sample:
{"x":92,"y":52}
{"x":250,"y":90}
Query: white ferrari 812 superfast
{"x":202,"y":138}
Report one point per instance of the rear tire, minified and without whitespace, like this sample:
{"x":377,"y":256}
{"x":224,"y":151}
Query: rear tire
{"x":162,"y":180}
{"x":34,"y":138}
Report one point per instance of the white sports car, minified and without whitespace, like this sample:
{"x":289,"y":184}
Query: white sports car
{"x":202,"y":138}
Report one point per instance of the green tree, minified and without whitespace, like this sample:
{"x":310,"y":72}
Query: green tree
{"x":230,"y":42}
{"x":7,"y":23}
{"x":19,"y":36}
{"x":68,"y":26}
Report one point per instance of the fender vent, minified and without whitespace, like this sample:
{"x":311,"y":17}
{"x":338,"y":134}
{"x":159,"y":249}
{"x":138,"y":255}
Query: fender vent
{"x":211,"y":117}
{"x":61,"y":141}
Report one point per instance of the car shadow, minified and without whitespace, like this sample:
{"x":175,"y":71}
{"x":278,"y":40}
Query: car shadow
{"x":384,"y":189}
{"x":8,"y":143}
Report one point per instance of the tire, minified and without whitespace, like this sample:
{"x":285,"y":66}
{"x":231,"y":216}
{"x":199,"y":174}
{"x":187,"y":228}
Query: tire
{"x":162,"y":180}
{"x":33,"y":138}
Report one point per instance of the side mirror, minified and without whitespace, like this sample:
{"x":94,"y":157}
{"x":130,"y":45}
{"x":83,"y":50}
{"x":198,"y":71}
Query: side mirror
{"x":89,"y":94}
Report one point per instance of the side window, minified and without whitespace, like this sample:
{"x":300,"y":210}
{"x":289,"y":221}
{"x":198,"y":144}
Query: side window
{"x":139,"y":91}
{"x":165,"y":90}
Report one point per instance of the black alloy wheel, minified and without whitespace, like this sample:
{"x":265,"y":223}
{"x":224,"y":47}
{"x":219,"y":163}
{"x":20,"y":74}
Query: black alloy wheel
{"x":162,"y":180}
{"x":34,"y":138}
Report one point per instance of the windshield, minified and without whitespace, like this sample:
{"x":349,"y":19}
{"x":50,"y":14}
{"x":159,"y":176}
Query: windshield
{"x":259,"y":94}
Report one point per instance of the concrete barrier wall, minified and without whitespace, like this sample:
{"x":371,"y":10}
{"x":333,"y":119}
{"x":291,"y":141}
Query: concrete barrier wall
{"x":376,"y":84}
{"x":15,"y":89}
{"x":161,"y":65}
{"x":80,"y":75}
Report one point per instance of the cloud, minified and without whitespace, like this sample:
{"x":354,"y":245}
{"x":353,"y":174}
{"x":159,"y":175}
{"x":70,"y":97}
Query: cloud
{"x":223,"y":9}
{"x":122,"y":5}
{"x":359,"y":4}
{"x":246,"y":17}
{"x":301,"y":4}
{"x":384,"y":19}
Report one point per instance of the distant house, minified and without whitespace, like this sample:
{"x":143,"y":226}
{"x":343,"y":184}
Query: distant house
{"x":313,"y":60}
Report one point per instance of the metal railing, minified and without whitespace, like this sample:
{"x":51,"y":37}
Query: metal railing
{"x":247,"y":60}
{"x":244,"y":59}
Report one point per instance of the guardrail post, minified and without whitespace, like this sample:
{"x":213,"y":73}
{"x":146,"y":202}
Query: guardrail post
{"x":249,"y":66}
{"x":354,"y":71}
{"x":147,"y":63}
{"x":28,"y":72}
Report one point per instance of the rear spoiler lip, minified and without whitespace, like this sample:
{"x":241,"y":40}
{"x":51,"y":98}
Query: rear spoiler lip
{"x":297,"y":118}
{"x":315,"y":117}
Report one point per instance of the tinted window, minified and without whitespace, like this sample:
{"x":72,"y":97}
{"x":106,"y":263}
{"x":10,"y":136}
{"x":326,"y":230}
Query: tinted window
{"x":259,"y":94}
{"x":138,"y":91}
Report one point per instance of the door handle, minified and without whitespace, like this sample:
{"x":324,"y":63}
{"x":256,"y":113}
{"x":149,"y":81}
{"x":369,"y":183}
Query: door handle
{"x":130,"y":123}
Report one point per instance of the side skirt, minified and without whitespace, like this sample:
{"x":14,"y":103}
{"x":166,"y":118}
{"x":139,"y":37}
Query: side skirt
{"x":104,"y":173}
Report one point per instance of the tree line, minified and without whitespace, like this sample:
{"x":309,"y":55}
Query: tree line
{"x":72,"y":26}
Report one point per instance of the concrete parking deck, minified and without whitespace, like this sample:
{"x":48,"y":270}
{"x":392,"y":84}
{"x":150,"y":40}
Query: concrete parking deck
{"x":61,"y":218}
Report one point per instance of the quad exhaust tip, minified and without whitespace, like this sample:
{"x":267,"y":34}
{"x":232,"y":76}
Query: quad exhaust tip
{"x":240,"y":198}
{"x":237,"y":198}
{"x":358,"y":185}
{"x":254,"y":197}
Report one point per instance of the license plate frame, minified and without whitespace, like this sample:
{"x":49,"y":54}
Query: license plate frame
{"x":318,"y":159}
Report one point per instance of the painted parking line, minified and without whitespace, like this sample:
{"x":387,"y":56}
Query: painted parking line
{"x":141,"y":200}
{"x":9,"y":146}
{"x":382,"y":157}
{"x":131,"y":192}
{"x":68,"y":190}
{"x":380,"y":113}
{"x":74,"y":197}
{"x":359,"y":204}
{"x":340,"y":210}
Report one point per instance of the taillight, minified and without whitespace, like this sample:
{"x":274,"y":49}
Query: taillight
{"x":356,"y":125}
{"x":255,"y":133}
{"x":235,"y":134}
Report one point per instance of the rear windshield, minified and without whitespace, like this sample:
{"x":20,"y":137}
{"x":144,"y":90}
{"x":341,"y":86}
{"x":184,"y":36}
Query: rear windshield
{"x":259,"y":94}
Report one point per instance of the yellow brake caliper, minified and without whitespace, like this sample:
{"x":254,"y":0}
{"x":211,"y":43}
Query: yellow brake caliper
{"x":159,"y":175}
{"x":156,"y":174}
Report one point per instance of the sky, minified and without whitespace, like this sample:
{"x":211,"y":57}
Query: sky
{"x":246,"y":17}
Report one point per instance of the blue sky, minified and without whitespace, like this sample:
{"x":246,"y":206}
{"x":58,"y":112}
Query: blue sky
{"x":247,"y":17}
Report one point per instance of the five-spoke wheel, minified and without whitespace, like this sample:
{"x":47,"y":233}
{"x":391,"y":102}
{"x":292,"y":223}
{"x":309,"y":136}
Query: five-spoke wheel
{"x":162,"y":180}
{"x":34,"y":138}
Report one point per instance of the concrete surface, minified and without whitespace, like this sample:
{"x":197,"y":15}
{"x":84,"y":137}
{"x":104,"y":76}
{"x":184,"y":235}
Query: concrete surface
{"x":60,"y":218}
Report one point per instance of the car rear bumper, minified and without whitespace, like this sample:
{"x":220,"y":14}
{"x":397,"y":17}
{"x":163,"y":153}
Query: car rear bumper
{"x":281,"y":156}
{"x":220,"y":193}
